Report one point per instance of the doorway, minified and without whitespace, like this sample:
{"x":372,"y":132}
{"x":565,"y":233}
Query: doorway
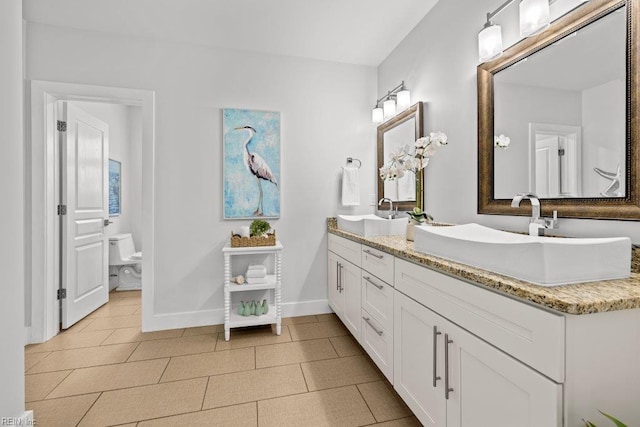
{"x":43,"y":271}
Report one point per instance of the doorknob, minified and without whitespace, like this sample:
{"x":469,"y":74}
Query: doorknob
{"x":107,"y":222}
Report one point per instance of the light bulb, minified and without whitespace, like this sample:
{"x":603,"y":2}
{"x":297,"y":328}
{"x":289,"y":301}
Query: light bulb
{"x":534,"y":17}
{"x":389,"y":107}
{"x":403,"y":99}
{"x":490,"y":43}
{"x":377,"y":116}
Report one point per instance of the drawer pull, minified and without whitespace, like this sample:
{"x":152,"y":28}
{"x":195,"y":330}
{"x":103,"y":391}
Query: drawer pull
{"x":366,"y":319}
{"x":368,"y":279}
{"x":435,"y":354}
{"x":447,"y":389}
{"x":367,"y":251}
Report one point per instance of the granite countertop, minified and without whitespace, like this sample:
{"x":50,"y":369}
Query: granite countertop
{"x":580,"y":298}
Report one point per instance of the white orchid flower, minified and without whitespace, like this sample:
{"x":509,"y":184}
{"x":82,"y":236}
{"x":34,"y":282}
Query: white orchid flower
{"x":438,"y":138}
{"x":502,"y":141}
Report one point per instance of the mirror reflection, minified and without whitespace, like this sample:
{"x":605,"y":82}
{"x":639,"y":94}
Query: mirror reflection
{"x":393,"y":134}
{"x":564,"y":110}
{"x":401,"y":189}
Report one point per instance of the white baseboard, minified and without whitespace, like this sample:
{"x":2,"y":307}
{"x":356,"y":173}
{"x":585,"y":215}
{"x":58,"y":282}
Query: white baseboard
{"x":305,"y":308}
{"x":27,"y":335}
{"x":192,"y":319}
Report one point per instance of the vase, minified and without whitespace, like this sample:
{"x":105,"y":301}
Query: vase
{"x":410,"y":230}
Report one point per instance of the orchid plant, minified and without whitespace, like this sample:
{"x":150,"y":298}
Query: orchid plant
{"x":408,"y":159}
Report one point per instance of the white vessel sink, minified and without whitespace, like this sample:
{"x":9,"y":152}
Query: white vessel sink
{"x":372,"y":225}
{"x":546,"y":261}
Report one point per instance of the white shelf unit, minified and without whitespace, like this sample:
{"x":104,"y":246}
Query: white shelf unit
{"x":274,"y":281}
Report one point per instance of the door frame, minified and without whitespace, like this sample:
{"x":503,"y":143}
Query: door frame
{"x":42,"y":233}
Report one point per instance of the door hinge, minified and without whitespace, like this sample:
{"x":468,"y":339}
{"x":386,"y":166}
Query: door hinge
{"x":560,"y":152}
{"x":62,"y":293}
{"x":62,"y":209}
{"x":62,"y":126}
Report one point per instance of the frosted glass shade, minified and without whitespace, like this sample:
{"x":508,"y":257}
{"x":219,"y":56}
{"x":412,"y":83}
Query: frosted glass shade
{"x":490,"y":43}
{"x":534,"y":17}
{"x":389,"y":107}
{"x":403,"y":100}
{"x":377,"y":116}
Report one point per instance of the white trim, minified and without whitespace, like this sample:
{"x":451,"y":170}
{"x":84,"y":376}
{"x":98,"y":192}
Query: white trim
{"x":192,"y":319}
{"x":42,"y":169}
{"x":305,"y":308}
{"x":27,"y":335}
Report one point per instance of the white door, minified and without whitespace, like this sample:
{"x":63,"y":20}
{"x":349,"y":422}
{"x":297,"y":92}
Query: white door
{"x":547,"y":167}
{"x":490,"y":388}
{"x":84,"y":150}
{"x":417,"y":358}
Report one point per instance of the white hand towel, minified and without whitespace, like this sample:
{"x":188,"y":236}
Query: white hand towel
{"x":350,"y":186}
{"x":256,"y":280}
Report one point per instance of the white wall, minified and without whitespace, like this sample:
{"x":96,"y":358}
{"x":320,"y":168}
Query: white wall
{"x":438,"y":62}
{"x":13,"y":333}
{"x":122,"y":146}
{"x":515,"y":107}
{"x":604,"y":135}
{"x":325,"y":118}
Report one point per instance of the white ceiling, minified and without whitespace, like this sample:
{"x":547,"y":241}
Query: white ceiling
{"x":361,"y":32}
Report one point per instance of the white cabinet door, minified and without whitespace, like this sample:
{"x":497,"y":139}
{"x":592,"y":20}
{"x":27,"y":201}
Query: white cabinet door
{"x":418,"y":360}
{"x":490,"y":388}
{"x":351,"y":289}
{"x":336,"y":298}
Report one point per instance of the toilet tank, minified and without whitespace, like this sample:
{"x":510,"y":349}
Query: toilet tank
{"x":120,"y":249}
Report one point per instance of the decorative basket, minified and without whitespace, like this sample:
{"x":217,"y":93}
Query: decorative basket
{"x":247,"y":242}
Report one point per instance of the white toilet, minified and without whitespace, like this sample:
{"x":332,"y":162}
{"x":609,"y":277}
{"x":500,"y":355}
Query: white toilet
{"x":125,"y":264}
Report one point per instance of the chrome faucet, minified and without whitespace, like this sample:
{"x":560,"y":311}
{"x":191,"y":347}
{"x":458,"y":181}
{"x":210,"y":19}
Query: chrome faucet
{"x":391,"y":214}
{"x":537,"y":225}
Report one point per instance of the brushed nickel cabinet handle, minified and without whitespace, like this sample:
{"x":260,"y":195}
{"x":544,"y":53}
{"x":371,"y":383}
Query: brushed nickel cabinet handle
{"x":368,"y":279}
{"x":435,"y":355}
{"x":338,"y":276}
{"x":366,"y":319}
{"x":366,"y":251}
{"x":447,"y":389}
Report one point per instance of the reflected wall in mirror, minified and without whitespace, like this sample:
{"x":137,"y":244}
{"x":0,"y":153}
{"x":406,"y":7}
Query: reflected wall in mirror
{"x":564,"y":109}
{"x":393,"y":134}
{"x":567,"y":99}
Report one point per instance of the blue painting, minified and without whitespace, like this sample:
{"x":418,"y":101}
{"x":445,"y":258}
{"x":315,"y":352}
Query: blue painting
{"x":251,"y":163}
{"x":114,"y":187}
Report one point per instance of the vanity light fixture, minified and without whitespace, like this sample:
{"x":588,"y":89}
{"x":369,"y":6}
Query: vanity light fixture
{"x":396,"y":100}
{"x":534,"y":18}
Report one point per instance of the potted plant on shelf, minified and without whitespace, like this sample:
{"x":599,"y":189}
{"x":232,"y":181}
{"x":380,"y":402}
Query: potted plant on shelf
{"x":408,"y":160}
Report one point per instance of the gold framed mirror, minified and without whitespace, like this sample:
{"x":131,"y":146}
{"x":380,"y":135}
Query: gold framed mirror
{"x":405,"y":128}
{"x":577,"y":198}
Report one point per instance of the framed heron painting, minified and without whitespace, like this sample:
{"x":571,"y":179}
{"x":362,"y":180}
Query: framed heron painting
{"x":251,"y":163}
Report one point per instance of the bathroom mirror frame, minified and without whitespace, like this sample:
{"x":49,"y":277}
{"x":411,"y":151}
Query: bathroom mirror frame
{"x":415,"y":111}
{"x":621,"y":208}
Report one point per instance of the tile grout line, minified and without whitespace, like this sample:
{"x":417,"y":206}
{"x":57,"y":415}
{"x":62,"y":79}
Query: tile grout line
{"x":204,"y":395}
{"x":60,"y":382}
{"x":90,"y":407}
{"x":163,"y":371}
{"x":366,"y":403}
{"x":304,"y":377}
{"x":131,"y":354}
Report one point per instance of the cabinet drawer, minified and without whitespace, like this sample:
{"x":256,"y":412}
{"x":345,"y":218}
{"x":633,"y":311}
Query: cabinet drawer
{"x":346,"y":248}
{"x":378,"y":343}
{"x":533,"y":336}
{"x":377,"y":299}
{"x":378,"y":263}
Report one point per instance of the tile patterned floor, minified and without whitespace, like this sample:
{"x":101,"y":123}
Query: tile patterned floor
{"x":104,"y":371}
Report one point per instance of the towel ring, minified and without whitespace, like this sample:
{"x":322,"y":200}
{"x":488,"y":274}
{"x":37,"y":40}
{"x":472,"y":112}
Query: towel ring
{"x":351,"y":160}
